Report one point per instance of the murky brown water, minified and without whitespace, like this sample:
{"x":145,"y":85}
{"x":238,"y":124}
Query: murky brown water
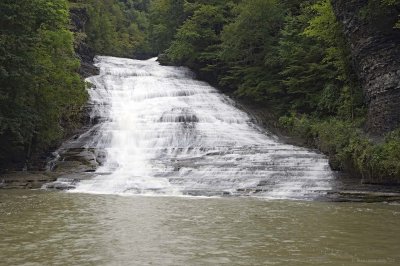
{"x":49,"y":228}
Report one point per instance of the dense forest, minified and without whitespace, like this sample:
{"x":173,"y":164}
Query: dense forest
{"x":41,"y":93}
{"x":289,"y":58}
{"x":292,"y":59}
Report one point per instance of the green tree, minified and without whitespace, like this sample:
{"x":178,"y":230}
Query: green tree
{"x":197,"y":37}
{"x":166,"y":16}
{"x":249,"y":49}
{"x":118,"y":28}
{"x":40,"y":85}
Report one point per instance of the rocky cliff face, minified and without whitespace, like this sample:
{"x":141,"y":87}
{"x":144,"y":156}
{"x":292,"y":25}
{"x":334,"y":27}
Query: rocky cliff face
{"x":79,"y":18}
{"x":375,"y":46}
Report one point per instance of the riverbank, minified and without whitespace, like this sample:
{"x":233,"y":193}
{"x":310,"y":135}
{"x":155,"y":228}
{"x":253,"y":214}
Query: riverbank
{"x":347,"y":190}
{"x":25,"y":180}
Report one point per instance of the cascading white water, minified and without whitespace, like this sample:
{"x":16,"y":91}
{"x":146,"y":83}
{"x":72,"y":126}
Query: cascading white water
{"x":163,"y":132}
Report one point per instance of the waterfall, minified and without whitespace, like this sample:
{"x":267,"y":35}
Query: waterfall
{"x":163,"y":132}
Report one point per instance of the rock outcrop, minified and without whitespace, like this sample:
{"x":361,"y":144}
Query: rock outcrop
{"x":79,"y":18}
{"x":25,"y":180}
{"x":375,"y":47}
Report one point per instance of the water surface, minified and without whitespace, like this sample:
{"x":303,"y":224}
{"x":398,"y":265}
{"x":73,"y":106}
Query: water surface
{"x":49,"y":228}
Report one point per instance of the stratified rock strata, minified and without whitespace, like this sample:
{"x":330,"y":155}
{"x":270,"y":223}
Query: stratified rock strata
{"x":375,"y":47}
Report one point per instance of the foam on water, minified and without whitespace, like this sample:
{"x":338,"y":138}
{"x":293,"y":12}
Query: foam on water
{"x":163,"y":132}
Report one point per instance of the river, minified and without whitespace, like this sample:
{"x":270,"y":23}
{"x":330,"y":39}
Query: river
{"x":184,"y":177}
{"x":50,"y":228}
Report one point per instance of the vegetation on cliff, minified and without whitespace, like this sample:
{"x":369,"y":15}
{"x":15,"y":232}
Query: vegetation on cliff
{"x":40,"y":90}
{"x":292,"y":58}
{"x":116,"y":27}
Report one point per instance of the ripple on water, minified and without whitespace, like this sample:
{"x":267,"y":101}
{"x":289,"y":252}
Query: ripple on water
{"x":82,"y":229}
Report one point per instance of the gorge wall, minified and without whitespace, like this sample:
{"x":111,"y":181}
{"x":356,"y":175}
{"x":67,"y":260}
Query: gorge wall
{"x":375,"y":47}
{"x":79,"y":18}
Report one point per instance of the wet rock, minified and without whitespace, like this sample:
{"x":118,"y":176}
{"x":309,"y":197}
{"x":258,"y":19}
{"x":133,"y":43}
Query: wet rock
{"x":363,"y":196}
{"x":101,"y":157}
{"x":24,"y":180}
{"x":72,"y":166}
{"x":59,"y":185}
{"x":72,"y":163}
{"x":75,"y":160}
{"x":164,"y":60}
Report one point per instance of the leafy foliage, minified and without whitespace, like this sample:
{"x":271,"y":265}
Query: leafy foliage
{"x":249,"y":49}
{"x":349,"y":149}
{"x":197,"y":36}
{"x":292,"y":58}
{"x":40,"y":89}
{"x":288,"y":56}
{"x":165,"y":17}
{"x":118,"y":28}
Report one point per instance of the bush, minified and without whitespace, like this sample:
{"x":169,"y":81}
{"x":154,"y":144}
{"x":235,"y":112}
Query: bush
{"x":348,"y":148}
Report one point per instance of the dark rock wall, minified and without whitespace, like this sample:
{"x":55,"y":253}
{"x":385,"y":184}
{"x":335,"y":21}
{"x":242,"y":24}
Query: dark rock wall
{"x":375,"y":47}
{"x":79,"y":19}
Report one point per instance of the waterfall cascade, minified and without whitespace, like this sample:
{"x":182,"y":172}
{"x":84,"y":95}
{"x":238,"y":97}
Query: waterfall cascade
{"x":163,"y":132}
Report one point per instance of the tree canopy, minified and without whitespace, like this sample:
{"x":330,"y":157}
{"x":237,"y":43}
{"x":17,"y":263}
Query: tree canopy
{"x":40,"y":88}
{"x":287,"y":56}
